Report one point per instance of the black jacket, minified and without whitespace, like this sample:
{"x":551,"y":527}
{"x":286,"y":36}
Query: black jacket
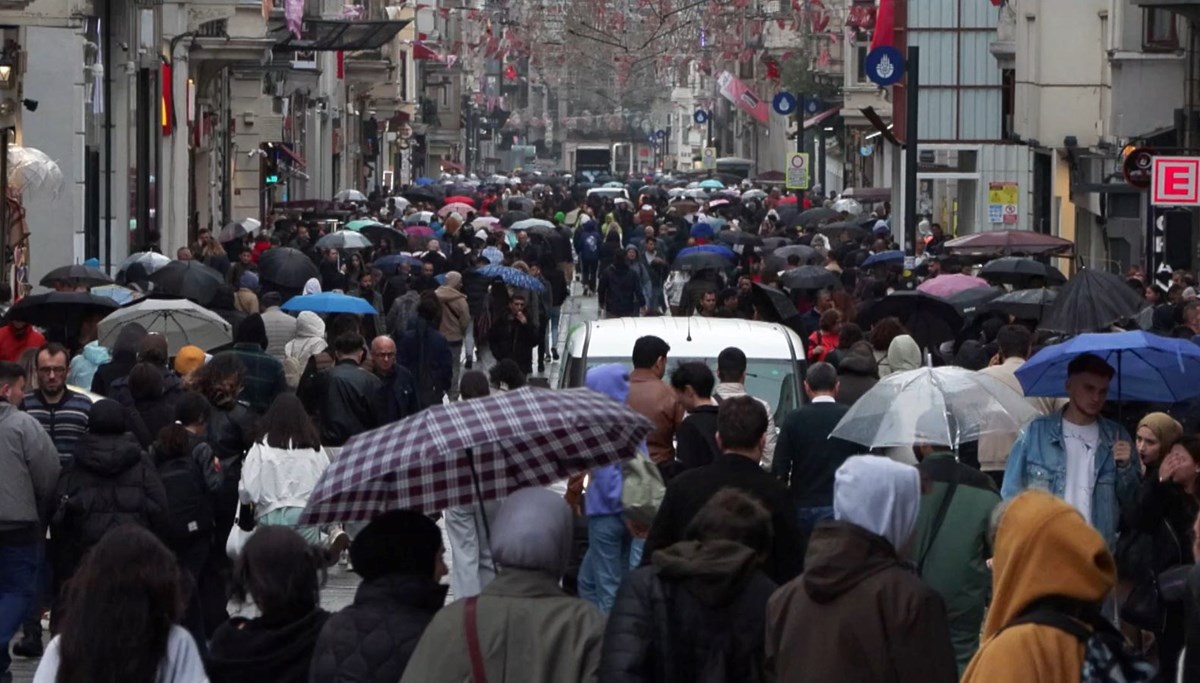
{"x":398,"y":394}
{"x":476,"y":286}
{"x":349,"y":402}
{"x":426,"y":354}
{"x":258,"y":651}
{"x":697,"y":614}
{"x":558,"y":286}
{"x":620,"y":291}
{"x":696,"y":438}
{"x":857,"y":373}
{"x":689,"y":491}
{"x":510,"y":339}
{"x":372,"y":640}
{"x":806,"y":458}
{"x":230,"y":432}
{"x":109,"y":483}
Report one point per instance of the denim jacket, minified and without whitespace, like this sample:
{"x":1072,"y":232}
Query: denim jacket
{"x":1038,"y":460}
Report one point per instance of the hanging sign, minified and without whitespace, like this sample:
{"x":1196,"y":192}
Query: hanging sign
{"x":784,"y":103}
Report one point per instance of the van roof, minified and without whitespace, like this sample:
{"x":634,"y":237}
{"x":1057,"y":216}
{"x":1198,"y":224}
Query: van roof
{"x":614,"y":338}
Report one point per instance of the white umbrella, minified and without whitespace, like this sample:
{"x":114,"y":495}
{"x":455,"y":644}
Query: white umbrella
{"x":343,"y":239}
{"x":849,"y":206}
{"x":349,"y":196}
{"x":530,"y":223}
{"x":182,"y":322}
{"x":31,"y":169}
{"x":945,"y":406}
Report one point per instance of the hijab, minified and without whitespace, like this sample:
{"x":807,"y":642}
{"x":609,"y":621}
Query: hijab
{"x":879,"y":495}
{"x":533,"y":530}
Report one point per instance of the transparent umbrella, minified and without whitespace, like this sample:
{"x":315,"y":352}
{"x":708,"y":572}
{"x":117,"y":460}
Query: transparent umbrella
{"x":945,"y":406}
{"x":31,"y":169}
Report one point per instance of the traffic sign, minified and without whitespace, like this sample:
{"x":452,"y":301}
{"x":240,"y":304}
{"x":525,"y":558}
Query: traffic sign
{"x":1175,"y":181}
{"x":884,"y":65}
{"x":797,"y":176}
{"x":700,"y":116}
{"x":1136,"y":167}
{"x":784,"y":103}
{"x":708,"y":160}
{"x":660,"y":134}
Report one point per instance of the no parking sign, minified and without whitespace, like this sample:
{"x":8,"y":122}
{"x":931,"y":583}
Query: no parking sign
{"x":797,"y":176}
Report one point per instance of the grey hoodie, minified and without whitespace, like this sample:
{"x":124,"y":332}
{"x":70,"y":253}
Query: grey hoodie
{"x":28,"y":469}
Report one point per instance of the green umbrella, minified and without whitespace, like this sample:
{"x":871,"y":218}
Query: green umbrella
{"x":361,"y":223}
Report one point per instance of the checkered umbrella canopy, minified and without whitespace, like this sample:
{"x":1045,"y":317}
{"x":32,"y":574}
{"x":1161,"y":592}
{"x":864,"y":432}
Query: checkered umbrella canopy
{"x":473,"y":451}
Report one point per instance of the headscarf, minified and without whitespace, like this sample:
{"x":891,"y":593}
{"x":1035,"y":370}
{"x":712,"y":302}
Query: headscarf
{"x":1166,"y":429}
{"x":313,"y":286}
{"x":533,"y":530}
{"x":373,"y":551}
{"x":310,"y":338}
{"x":879,"y":495}
{"x":903,"y":354}
{"x":453,"y":279}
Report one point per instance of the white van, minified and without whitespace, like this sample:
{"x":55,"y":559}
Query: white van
{"x":775,"y":358}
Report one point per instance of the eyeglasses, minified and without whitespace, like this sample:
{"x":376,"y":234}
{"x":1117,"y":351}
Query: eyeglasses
{"x":53,"y":370}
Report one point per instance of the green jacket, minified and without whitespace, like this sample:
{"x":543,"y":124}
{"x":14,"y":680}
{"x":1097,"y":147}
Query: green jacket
{"x":954,"y":561}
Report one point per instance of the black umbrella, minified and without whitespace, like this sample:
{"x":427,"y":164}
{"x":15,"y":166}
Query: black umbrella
{"x":190,"y":280}
{"x":770,"y":244}
{"x":59,"y":312}
{"x":519,"y":204}
{"x":1091,"y":302}
{"x":970,"y":302}
{"x":423,"y":194}
{"x":775,"y":300}
{"x":814,"y":217}
{"x":378,"y":233}
{"x":927,"y":318}
{"x":778,"y":259}
{"x":738,"y":237}
{"x":700,"y":260}
{"x":1026,"y":304}
{"x":1020,"y":272}
{"x":810,"y":277}
{"x":286,"y":267}
{"x":77,"y":274}
{"x":510,"y":217}
{"x":851,"y":230}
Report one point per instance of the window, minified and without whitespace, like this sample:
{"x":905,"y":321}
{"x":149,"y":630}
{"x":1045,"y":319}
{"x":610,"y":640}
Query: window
{"x":861,"y":66}
{"x":1159,"y":30}
{"x":1008,"y":98}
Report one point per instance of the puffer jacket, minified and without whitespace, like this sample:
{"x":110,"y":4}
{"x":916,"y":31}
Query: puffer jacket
{"x":697,"y":614}
{"x":372,"y":640}
{"x":109,"y":483}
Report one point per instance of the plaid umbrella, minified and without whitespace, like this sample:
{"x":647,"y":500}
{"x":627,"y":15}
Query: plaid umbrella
{"x":475,"y":451}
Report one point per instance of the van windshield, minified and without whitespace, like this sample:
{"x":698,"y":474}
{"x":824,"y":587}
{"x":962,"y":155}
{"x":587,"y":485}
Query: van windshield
{"x":771,"y":380}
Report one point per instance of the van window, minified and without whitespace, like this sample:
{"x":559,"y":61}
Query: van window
{"x":772,"y":380}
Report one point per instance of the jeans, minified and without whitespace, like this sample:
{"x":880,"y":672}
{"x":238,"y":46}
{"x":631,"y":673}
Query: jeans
{"x":555,"y":314}
{"x":612,"y":552}
{"x":18,"y":580}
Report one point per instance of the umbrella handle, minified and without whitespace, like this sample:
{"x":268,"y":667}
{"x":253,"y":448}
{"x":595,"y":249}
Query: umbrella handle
{"x":487,"y":529}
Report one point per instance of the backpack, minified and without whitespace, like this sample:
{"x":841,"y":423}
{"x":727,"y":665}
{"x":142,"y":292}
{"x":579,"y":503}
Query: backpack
{"x":1107,"y":656}
{"x":190,"y":504}
{"x":642,"y":489}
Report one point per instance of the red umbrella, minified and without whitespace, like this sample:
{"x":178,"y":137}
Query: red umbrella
{"x":790,"y":199}
{"x":460,"y":199}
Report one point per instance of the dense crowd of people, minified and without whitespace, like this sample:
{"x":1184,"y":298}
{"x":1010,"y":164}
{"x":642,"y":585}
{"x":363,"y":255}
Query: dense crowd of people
{"x":145,"y":487}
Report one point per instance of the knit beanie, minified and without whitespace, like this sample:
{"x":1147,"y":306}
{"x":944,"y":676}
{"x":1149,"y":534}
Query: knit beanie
{"x":189,"y":359}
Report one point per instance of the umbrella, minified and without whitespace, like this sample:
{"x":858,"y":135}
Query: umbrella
{"x":1148,"y":367}
{"x":181,"y":321}
{"x":754,"y":194}
{"x":361,"y":223}
{"x":1010,"y":242}
{"x":1026,"y":304}
{"x":484,"y":222}
{"x":702,"y":230}
{"x":455,"y":207}
{"x":512,"y":277}
{"x":460,"y":199}
{"x":946,"y":406}
{"x":851,"y":231}
{"x":343,"y":239}
{"x":810,"y":277}
{"x":391,"y":264}
{"x":349,"y":196}
{"x":420,"y":231}
{"x":119,"y":294}
{"x":422,"y":181}
{"x":418,"y":217}
{"x":972,"y":301}
{"x":778,"y":259}
{"x":531,"y":223}
{"x":1091,"y":301}
{"x":774,"y":299}
{"x":519,"y":204}
{"x":475,"y":451}
{"x":886,"y":258}
{"x":700,"y":260}
{"x":614,"y":183}
{"x":814,"y":217}
{"x":737,"y":237}
{"x":718,"y":249}
{"x":493,"y":255}
{"x":771,"y":244}
{"x":329,"y":302}
{"x":849,"y":206}
{"x":286,"y":267}
{"x":188,"y":280}
{"x":947,"y":286}
{"x":378,"y":233}
{"x":790,"y":199}
{"x":511,"y":217}
{"x":58,"y":310}
{"x":712,"y":184}
{"x":232,"y":231}
{"x":718,"y":203}
{"x":685,"y":206}
{"x":146,"y":261}
{"x":929,"y":320}
{"x":424,"y":194}
{"x":1016,"y":271}
{"x":77,"y":274}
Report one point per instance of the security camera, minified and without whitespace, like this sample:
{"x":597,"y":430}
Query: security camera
{"x":124,"y":46}
{"x":31,"y":105}
{"x":256,"y":153}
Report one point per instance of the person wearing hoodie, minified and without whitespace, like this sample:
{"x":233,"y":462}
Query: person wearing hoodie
{"x":109,"y":482}
{"x":124,"y":357}
{"x":309,"y":341}
{"x":522,"y":627}
{"x":859,"y":613}
{"x":903,"y":354}
{"x":373,"y":639}
{"x":84,"y":365}
{"x":1046,"y":556}
{"x":587,"y":244}
{"x":456,"y":320}
{"x":857,"y":373}
{"x":698,"y":612}
{"x":281,"y":574}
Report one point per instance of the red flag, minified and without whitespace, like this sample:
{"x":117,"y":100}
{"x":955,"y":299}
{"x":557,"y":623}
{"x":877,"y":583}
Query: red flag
{"x":885,"y":25}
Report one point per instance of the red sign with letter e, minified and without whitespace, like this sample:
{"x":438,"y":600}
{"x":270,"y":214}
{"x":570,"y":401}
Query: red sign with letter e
{"x":1175,"y":181}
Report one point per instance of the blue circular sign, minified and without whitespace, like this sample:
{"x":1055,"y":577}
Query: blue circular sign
{"x":660,"y":134}
{"x":700,"y":116}
{"x":784,"y":103}
{"x":885,"y":65}
{"x":812,"y":105}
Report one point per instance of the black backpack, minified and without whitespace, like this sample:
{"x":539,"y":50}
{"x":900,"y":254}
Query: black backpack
{"x":189,"y":503}
{"x":1107,"y":656}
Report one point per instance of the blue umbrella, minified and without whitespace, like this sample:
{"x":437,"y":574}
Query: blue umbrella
{"x":329,"y":302}
{"x":512,"y":277}
{"x":390,"y":264}
{"x":1149,"y":367}
{"x":422,"y":182}
{"x":717,"y":249}
{"x":712,"y":184}
{"x":702,"y":230}
{"x":884,"y":258}
{"x":493,"y":254}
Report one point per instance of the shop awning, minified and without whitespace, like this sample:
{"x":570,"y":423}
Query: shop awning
{"x":451,"y":166}
{"x":296,"y":158}
{"x":330,"y":35}
{"x":819,"y":118}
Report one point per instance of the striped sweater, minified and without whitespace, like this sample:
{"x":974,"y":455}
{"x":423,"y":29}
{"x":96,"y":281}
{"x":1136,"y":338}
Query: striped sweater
{"x":65,"y":421}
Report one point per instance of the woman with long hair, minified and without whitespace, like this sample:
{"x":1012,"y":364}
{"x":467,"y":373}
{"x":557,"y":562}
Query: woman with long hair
{"x":282,"y":468}
{"x":281,"y":574}
{"x":119,"y":627}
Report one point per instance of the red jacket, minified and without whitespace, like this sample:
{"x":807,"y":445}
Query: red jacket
{"x":12,"y":344}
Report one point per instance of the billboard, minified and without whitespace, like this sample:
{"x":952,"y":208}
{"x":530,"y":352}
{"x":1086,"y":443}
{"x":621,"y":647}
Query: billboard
{"x":743,"y":96}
